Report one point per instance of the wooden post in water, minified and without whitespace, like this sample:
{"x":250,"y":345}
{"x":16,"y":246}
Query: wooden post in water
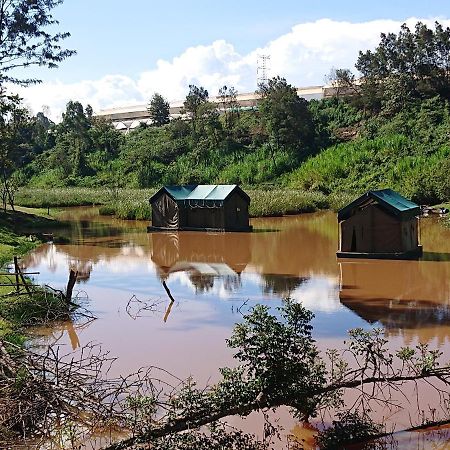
{"x":70,"y":284}
{"x":16,"y":271}
{"x":18,"y":274}
{"x":172,"y":301}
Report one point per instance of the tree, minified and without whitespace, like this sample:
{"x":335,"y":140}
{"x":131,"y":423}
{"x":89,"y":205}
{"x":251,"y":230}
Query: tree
{"x":343,"y":82}
{"x":196,"y":98}
{"x":230,"y":106}
{"x":279,"y":363}
{"x":25,"y":40}
{"x":73,"y":138}
{"x":159,"y":110}
{"x":285,"y":114}
{"x":13,"y":119}
{"x":407,"y":66}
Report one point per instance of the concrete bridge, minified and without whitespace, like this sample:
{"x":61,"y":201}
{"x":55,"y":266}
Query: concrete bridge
{"x":129,"y":117}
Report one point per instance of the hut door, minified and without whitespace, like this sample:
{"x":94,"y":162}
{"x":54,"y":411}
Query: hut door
{"x":353,"y":246}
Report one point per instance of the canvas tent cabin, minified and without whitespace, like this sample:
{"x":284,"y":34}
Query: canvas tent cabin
{"x":200,"y":208}
{"x":379,"y":224}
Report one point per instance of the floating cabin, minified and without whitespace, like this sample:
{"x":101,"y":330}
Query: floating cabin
{"x":379,"y":224}
{"x":200,"y":208}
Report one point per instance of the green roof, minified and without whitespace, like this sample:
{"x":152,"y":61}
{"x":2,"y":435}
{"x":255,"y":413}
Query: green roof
{"x":388,"y":199}
{"x":204,"y":192}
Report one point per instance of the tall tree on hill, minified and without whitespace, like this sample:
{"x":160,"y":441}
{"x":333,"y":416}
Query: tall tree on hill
{"x":230,"y":106}
{"x":13,"y":144}
{"x":285,"y":115}
{"x":407,"y":66}
{"x":26,"y":38}
{"x":159,"y":109}
{"x":73,"y":139}
{"x":194,"y":104}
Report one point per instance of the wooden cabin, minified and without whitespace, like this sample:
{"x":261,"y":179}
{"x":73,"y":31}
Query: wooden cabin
{"x":200,"y":208}
{"x":379,"y":224}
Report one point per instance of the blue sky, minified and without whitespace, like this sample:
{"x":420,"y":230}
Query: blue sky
{"x":127,"y":50}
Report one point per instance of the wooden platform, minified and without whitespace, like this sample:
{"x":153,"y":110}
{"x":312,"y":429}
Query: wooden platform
{"x":152,"y":229}
{"x":412,"y":254}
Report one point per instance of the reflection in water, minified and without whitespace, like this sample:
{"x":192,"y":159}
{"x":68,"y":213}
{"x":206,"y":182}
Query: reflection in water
{"x":281,"y":285}
{"x":409,"y":298}
{"x":401,"y":296}
{"x":59,"y":332}
{"x":203,"y":256}
{"x":217,"y":277}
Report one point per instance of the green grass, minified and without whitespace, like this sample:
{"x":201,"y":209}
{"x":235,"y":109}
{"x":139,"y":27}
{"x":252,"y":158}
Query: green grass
{"x":277,"y":202}
{"x":17,"y":230}
{"x":387,"y":161}
{"x":134,"y":203}
{"x":76,"y":196}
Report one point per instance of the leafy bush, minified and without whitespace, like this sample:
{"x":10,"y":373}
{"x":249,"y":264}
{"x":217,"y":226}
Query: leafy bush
{"x":350,"y":427}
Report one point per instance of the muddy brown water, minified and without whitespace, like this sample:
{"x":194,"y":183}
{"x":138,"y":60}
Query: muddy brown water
{"x":217,"y":277}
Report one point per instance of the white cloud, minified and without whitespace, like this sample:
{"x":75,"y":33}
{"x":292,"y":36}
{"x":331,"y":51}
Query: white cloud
{"x":304,"y":56}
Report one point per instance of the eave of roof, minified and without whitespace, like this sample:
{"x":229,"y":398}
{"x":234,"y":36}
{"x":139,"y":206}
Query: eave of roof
{"x":389,"y":200}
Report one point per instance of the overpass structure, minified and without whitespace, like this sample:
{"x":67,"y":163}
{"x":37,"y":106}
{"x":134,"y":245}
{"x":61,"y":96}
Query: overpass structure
{"x":129,"y":117}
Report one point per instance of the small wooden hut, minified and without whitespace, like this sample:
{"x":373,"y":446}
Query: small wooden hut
{"x":379,"y":224}
{"x":200,"y":208}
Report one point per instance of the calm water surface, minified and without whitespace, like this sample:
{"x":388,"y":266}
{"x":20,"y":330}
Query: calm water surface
{"x":217,"y":277}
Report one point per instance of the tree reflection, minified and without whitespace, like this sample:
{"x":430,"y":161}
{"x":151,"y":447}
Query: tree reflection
{"x":282,"y":285}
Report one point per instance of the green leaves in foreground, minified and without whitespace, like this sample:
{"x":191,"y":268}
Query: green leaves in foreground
{"x":281,"y":356}
{"x":349,"y":427}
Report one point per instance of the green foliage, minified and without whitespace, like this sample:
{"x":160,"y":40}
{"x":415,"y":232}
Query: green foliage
{"x":218,"y":437}
{"x":285,"y":115}
{"x":276,"y":202}
{"x":390,"y":161}
{"x":197,"y":107}
{"x":158,"y":109}
{"x":281,"y":356}
{"x":230,"y":107}
{"x":406,"y":66}
{"x":43,"y":307}
{"x":350,"y":427}
{"x":27,"y":38}
{"x":134,"y":203}
{"x":17,"y":312}
{"x":15,"y":228}
{"x":14,"y":144}
{"x":390,"y":131}
{"x":421,"y":359}
{"x":335,"y":119}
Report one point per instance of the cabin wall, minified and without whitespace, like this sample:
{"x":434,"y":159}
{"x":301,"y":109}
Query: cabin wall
{"x":372,"y":230}
{"x":236,"y":212}
{"x":410,"y":234}
{"x":357,"y":232}
{"x":165,"y":212}
{"x":205,"y":218}
{"x":387,"y":232}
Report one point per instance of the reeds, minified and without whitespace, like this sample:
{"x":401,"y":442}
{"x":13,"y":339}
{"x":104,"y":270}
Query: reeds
{"x":134,"y":203}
